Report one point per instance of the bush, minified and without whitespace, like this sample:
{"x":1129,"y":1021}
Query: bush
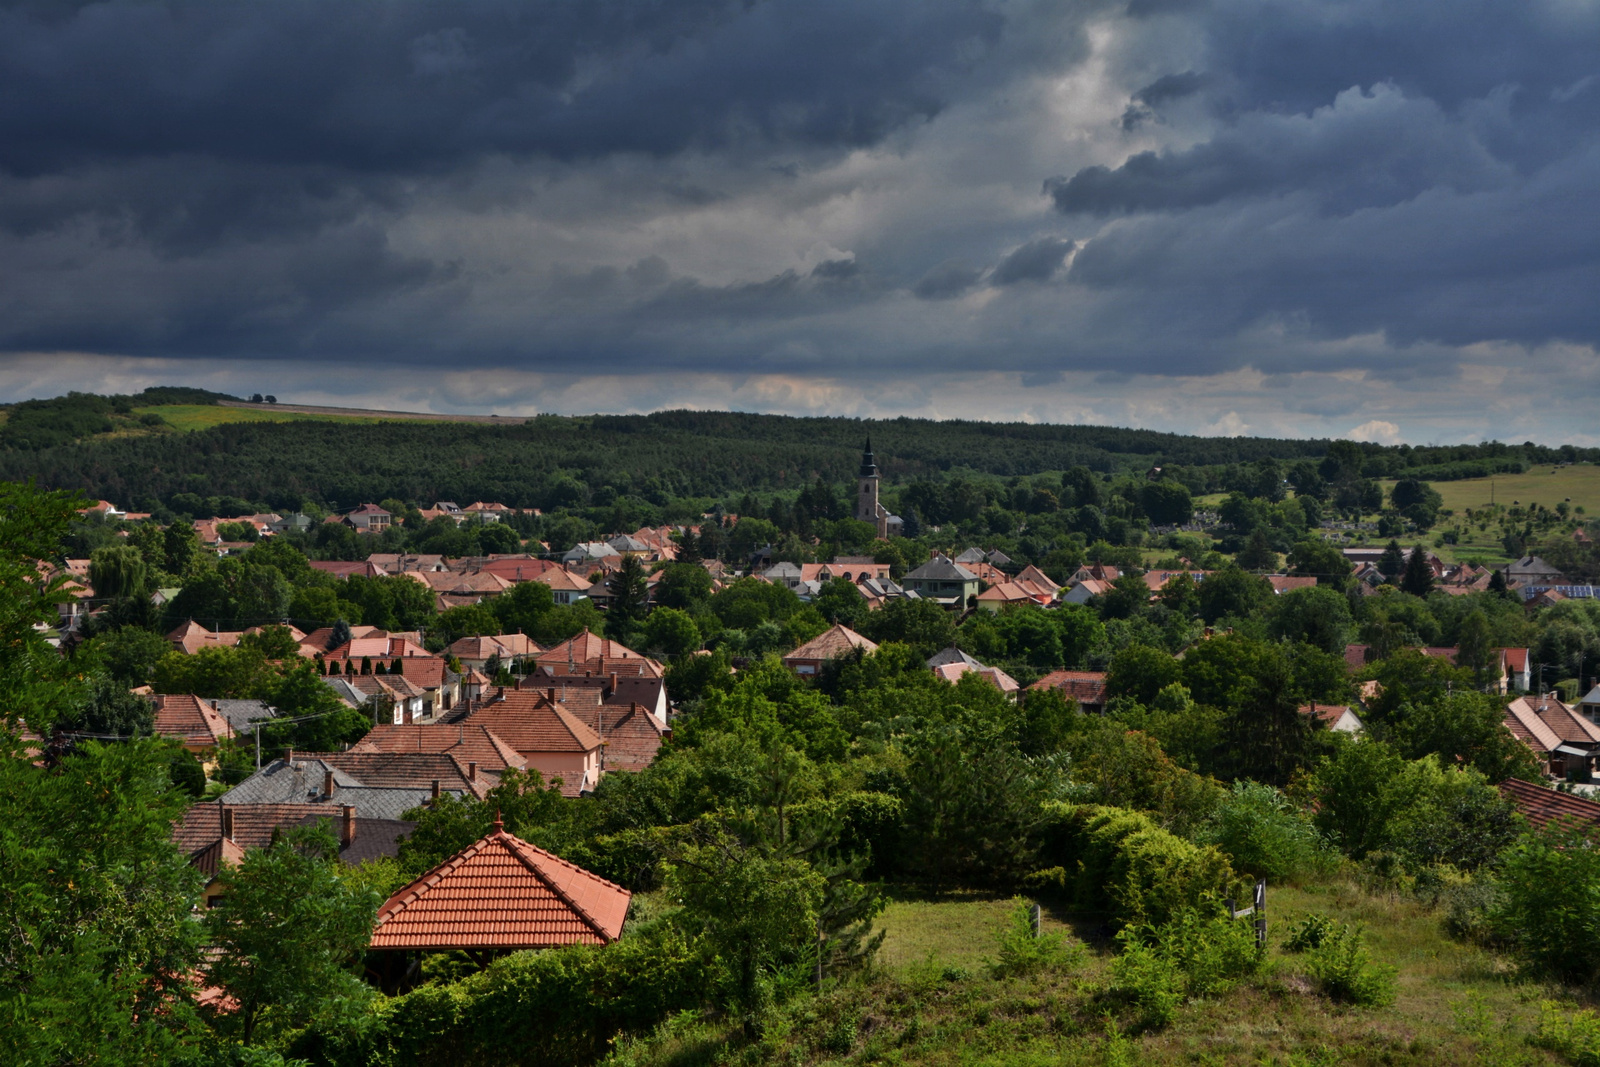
{"x":1469,"y":912}
{"x":1345,"y":972}
{"x":1309,"y":933}
{"x":1575,"y":1037}
{"x":1195,"y":954}
{"x":1022,"y":953}
{"x":1119,"y":863}
{"x":1267,"y":836}
{"x":1549,"y":904}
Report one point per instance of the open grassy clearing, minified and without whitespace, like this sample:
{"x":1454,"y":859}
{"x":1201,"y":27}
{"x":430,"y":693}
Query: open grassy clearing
{"x":187,"y":417}
{"x":932,"y":1001}
{"x":1579,"y":483}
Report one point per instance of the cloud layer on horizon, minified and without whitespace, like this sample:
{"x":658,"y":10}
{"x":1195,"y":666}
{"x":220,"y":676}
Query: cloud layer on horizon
{"x":1317,"y":218}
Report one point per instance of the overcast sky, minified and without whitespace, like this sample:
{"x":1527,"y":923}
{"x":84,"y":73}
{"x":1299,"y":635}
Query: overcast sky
{"x":1377,"y":219}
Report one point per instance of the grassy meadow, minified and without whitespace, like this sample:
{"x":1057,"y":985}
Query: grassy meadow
{"x":189,"y":417}
{"x":932,"y":1000}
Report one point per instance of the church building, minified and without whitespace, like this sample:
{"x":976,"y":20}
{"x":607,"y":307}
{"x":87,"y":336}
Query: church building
{"x":868,"y":509}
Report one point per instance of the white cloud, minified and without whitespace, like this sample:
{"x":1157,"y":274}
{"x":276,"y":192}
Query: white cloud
{"x":1377,"y":431}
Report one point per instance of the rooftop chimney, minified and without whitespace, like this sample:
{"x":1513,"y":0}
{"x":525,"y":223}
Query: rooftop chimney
{"x":551,"y":694}
{"x":327,"y":783}
{"x":289,"y":758}
{"x":348,"y":834}
{"x":472,"y":771}
{"x":227,"y":822}
{"x":436,"y":790}
{"x":612,"y":688}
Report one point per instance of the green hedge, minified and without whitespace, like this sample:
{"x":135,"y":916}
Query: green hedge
{"x":1119,"y":863}
{"x":554,"y":1008}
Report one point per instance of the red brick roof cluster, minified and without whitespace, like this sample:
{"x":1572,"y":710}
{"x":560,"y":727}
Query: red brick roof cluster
{"x":502,"y":893}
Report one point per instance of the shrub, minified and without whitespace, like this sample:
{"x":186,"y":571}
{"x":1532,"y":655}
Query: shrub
{"x":1193,"y":954}
{"x":1343,"y":969}
{"x":1575,"y":1037}
{"x":1151,"y":982}
{"x":1309,"y":933}
{"x":1469,"y":912}
{"x":1121,"y":864}
{"x":1549,"y":904}
{"x":1022,"y":953}
{"x":1267,"y":836}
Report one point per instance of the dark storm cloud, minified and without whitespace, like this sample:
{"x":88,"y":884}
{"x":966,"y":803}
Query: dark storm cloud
{"x":1036,"y":261}
{"x":367,"y":85}
{"x":627,"y":187}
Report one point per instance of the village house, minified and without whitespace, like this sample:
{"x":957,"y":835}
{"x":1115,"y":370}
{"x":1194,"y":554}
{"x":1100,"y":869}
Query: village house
{"x":369,"y":518}
{"x":1337,"y":717}
{"x":507,"y":649}
{"x":1565,"y":742}
{"x":1088,"y":688}
{"x":550,"y":738}
{"x":197,"y":724}
{"x":838,"y":640}
{"x":943,"y":580}
{"x":499,"y":894}
{"x":951,"y":664}
{"x":379,"y":785}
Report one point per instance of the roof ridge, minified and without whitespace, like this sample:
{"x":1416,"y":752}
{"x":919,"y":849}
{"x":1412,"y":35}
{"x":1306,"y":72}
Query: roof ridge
{"x":427,"y":880}
{"x":550,"y":883}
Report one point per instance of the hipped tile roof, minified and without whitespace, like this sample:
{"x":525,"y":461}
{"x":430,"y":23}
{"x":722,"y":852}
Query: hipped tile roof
{"x":837,"y":640}
{"x":502,"y":893}
{"x":1542,"y":806}
{"x":1086,"y":687}
{"x":527,"y":721}
{"x":467,"y":742}
{"x":190,"y":719}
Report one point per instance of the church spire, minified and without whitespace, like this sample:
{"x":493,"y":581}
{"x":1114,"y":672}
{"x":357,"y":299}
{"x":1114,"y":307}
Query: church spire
{"x":869,"y":469}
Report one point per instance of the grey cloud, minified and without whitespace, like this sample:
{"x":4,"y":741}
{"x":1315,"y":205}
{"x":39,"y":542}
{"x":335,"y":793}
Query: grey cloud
{"x":1036,"y":261}
{"x":949,"y":279}
{"x":1367,"y":148}
{"x":1144,"y":104}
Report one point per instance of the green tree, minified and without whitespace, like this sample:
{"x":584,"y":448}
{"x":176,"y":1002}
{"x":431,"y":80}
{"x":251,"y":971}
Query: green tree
{"x":1258,"y":553}
{"x":672,"y":632}
{"x":110,"y":709}
{"x":1318,"y":616}
{"x":1549,"y":887}
{"x":1393,"y":560}
{"x":287,"y":935}
{"x":1141,"y":672}
{"x":128,"y":655}
{"x":1234,"y":592}
{"x":757,"y":913}
{"x":1316,"y":558}
{"x":118,"y":572}
{"x":629,"y":589}
{"x":1417,"y":578}
{"x":922,"y":624}
{"x":840,"y":601}
{"x":1166,"y":503}
{"x":96,"y":908}
{"x":685,"y":586}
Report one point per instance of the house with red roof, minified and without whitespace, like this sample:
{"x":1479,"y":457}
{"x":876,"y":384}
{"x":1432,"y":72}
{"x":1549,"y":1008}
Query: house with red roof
{"x":837,"y":640}
{"x":499,"y":894}
{"x":369,"y":518}
{"x":1565,"y":742}
{"x":1088,"y":688}
{"x":1547,"y":808}
{"x":552,"y":740}
{"x":1339,"y":717}
{"x":196,"y":723}
{"x":191,"y":637}
{"x":471,"y":744}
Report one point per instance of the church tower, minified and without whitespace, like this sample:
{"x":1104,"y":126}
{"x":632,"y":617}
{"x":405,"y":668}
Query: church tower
{"x":867,"y":497}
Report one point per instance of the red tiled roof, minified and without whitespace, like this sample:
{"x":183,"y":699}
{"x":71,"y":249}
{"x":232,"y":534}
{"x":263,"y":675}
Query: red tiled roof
{"x":1517,"y":659}
{"x":409,"y":770}
{"x":502,"y":893}
{"x":601,"y":668}
{"x":837,"y":640}
{"x":952,"y":672}
{"x":190,"y":719}
{"x":529,"y":723}
{"x":191,"y":637}
{"x":1328,"y":713}
{"x":253,"y":824}
{"x":587,"y":646}
{"x":632,"y":741}
{"x":1282,"y":583}
{"x":210,"y":858}
{"x":502,"y":645}
{"x":1527,"y":726}
{"x":1541,"y":806}
{"x":468,"y":743}
{"x":1086,"y":687}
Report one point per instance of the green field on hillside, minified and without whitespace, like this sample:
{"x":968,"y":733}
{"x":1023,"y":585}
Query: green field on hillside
{"x":187,"y":417}
{"x":932,"y":1001}
{"x":1578,"y":483}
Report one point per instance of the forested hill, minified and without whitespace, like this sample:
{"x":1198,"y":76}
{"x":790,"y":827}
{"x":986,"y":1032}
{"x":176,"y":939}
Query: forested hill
{"x":548,"y":461}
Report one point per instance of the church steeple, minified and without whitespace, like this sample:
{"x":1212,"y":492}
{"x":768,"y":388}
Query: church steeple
{"x":869,"y":469}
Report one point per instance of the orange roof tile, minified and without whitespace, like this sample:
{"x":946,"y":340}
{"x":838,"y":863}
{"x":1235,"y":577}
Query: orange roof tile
{"x":190,"y":719}
{"x":468,"y":743}
{"x":1086,"y":687}
{"x":527,"y":721}
{"x":837,"y":640}
{"x":1542,"y":806}
{"x":502,"y":893}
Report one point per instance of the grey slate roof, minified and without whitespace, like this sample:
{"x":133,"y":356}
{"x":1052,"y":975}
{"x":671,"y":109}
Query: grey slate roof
{"x":953,"y":655}
{"x":375,"y":838}
{"x":971,"y":555}
{"x":941,"y":569}
{"x":278,"y":783}
{"x":240,"y":713}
